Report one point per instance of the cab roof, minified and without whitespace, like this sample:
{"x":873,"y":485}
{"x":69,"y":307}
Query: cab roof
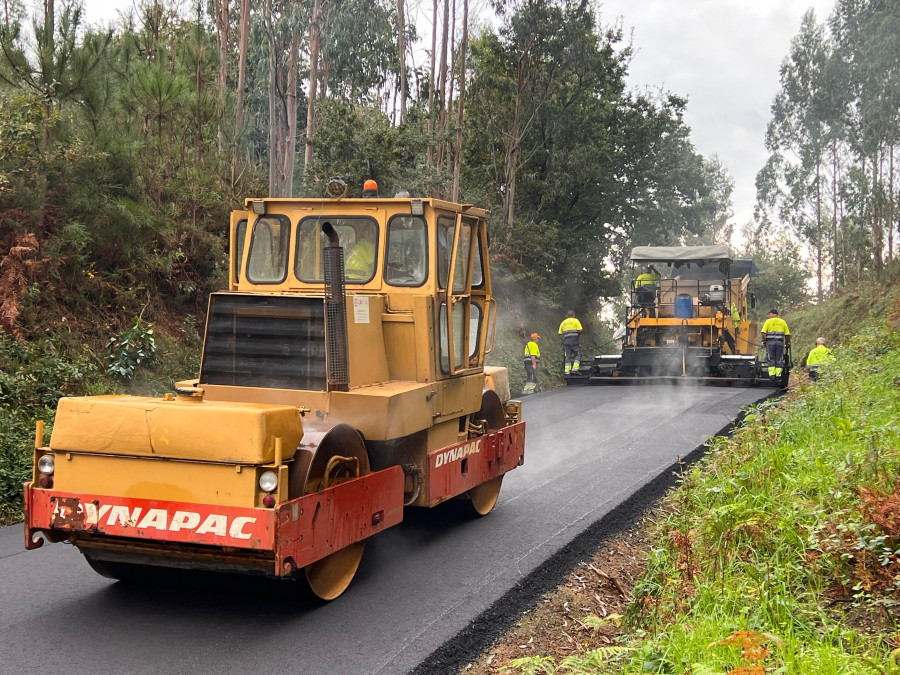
{"x":680,"y":253}
{"x":357,"y":202}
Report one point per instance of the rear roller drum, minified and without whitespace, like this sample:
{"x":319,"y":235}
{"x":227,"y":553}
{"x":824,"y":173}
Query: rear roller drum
{"x":484,"y":496}
{"x":338,"y":457}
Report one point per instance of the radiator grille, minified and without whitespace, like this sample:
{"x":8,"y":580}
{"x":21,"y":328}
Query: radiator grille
{"x":265,"y":341}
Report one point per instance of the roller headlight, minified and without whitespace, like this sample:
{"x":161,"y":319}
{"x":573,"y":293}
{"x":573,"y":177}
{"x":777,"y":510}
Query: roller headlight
{"x":46,"y":464}
{"x":268,"y":481}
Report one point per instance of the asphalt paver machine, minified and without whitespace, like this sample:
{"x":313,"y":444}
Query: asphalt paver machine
{"x":687,"y":319}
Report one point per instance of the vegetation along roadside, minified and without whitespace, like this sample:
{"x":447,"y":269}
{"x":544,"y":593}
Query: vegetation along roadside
{"x":778,"y":553}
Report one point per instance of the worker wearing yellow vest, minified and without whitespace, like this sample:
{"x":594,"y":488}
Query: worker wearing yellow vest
{"x":729,"y":339}
{"x":817,"y":356}
{"x":645,"y":289}
{"x":648,"y":278}
{"x":570,"y":332}
{"x":532,"y":362}
{"x":775,"y":335}
{"x":736,"y":318}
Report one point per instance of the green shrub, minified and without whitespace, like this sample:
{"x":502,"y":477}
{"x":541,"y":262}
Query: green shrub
{"x":131,"y":349}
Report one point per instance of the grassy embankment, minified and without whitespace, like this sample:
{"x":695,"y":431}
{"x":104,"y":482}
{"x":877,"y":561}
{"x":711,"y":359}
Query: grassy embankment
{"x":780,"y":552}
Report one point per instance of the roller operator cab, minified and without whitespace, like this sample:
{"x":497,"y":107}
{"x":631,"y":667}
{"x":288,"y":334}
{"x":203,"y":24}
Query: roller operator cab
{"x":342,"y":380}
{"x":687,"y":318}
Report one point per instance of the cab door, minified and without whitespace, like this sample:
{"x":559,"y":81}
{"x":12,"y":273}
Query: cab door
{"x":459,"y":321}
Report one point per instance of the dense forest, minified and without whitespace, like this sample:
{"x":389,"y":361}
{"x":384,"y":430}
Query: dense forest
{"x":123,"y":148}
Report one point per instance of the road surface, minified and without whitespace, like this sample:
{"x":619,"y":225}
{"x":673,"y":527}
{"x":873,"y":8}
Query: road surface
{"x":429,"y":594}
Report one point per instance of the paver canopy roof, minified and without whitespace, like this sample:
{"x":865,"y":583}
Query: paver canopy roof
{"x":683,"y":253}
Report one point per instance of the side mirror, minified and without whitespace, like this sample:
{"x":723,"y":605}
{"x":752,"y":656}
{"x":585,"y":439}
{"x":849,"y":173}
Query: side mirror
{"x":752,"y":301}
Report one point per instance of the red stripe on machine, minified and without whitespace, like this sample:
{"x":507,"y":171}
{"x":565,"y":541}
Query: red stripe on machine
{"x":152,"y":519}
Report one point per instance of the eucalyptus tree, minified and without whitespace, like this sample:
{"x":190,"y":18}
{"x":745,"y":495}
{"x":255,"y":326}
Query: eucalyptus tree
{"x":797,"y":138}
{"x":867,"y":35}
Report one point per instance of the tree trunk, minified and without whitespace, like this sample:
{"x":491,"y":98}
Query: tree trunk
{"x":834,"y":215}
{"x":243,"y":38}
{"x":819,"y":244}
{"x":290,"y":138}
{"x":429,"y":153}
{"x":401,"y":51}
{"x":512,"y":146}
{"x":460,"y":109}
{"x":198,"y":82}
{"x":273,"y":107}
{"x":314,"y":47}
{"x":877,"y":231}
{"x":890,"y":205}
{"x":451,"y":86}
{"x":222,"y":36}
{"x":442,"y":88}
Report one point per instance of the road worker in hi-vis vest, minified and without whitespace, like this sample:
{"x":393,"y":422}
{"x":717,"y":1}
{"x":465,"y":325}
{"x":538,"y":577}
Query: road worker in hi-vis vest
{"x":775,"y":335}
{"x":532,"y":362}
{"x":570,"y":333}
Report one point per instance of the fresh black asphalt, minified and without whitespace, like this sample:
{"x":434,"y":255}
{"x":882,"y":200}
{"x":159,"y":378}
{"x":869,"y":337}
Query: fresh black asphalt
{"x":430,"y":594}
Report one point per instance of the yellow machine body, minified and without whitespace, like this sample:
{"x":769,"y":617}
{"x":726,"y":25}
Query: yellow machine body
{"x":370,"y":382}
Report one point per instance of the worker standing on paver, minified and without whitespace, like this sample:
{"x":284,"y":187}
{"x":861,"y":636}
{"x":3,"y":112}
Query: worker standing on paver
{"x":775,"y":335}
{"x":532,"y":362}
{"x":649,"y":277}
{"x":570,"y":333}
{"x":817,"y":356}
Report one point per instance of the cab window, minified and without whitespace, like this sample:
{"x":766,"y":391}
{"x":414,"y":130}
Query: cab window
{"x":478,"y":267}
{"x":406,"y":255}
{"x":359,"y":238}
{"x":474,"y":329}
{"x":461,"y":268}
{"x":240,"y":236}
{"x":445,"y":228}
{"x":268,"y":256}
{"x":458,"y":330}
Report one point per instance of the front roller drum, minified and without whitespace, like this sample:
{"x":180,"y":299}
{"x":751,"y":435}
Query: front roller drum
{"x":493,"y":417}
{"x":326,"y":459}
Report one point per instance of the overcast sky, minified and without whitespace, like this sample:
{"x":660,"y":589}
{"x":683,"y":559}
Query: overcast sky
{"x":722,"y":54}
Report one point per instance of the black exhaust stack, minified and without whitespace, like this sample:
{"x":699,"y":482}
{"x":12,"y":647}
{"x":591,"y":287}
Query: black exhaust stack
{"x":337,"y":359}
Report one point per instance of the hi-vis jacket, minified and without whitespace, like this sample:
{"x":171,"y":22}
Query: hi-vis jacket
{"x":532,"y":349}
{"x":819,"y":355}
{"x":775,"y":328}
{"x":646,"y":279}
{"x":570,"y":329}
